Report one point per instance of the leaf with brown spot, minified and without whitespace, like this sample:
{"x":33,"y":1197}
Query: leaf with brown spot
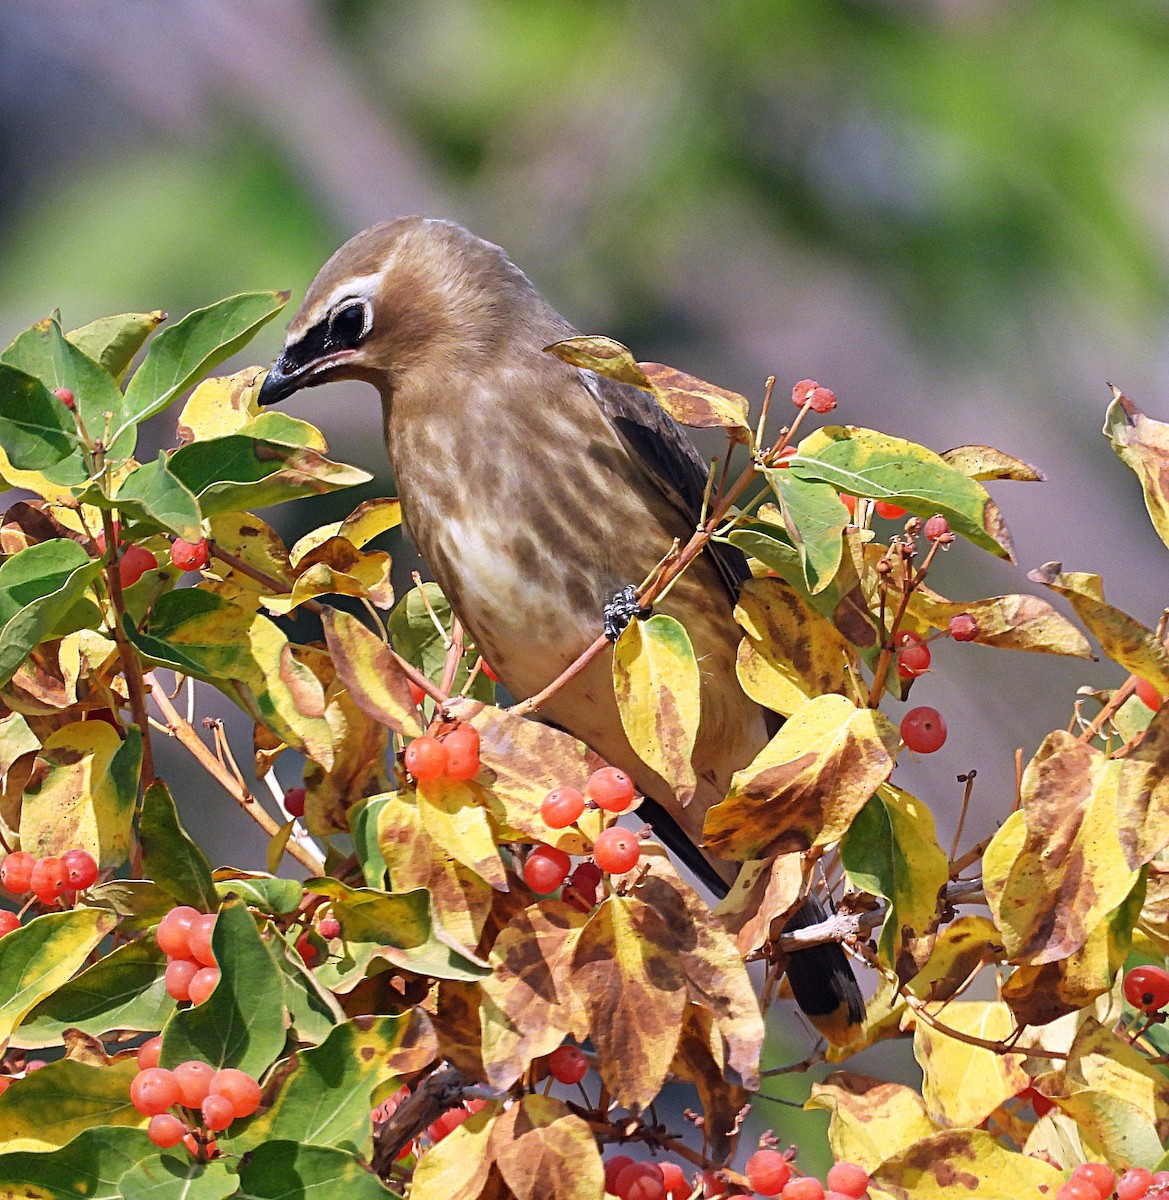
{"x":460,"y":826}
{"x":529,"y":1003}
{"x":656,"y":682}
{"x":371,"y":673}
{"x":969,"y":1163}
{"x":1123,"y":639}
{"x":1142,"y":794}
{"x":458,"y":1167}
{"x":546,"y":1152}
{"x":694,"y":402}
{"x":1143,"y":445}
{"x":870,"y":1120}
{"x":457,"y":1016}
{"x":765,"y":890}
{"x":1057,"y":867}
{"x":602,"y":355}
{"x":806,"y":785}
{"x":1154,"y":918}
{"x":985,"y":462}
{"x":962,"y":947}
{"x":631,"y":985}
{"x":367,"y":521}
{"x":337,"y":567}
{"x":245,"y":536}
{"x":699,"y":1058}
{"x":789,"y":653}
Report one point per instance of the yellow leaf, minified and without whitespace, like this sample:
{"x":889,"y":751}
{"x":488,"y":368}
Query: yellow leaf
{"x":963,"y":1084}
{"x":656,"y":679}
{"x":963,"y":946}
{"x":1142,"y":794}
{"x":454,"y":818}
{"x":808,"y":782}
{"x":694,"y":402}
{"x":1143,"y":445}
{"x":221,"y":405}
{"x":602,"y":355}
{"x":364,"y":523}
{"x":764,"y":890}
{"x":700,"y":1058}
{"x":545,"y":1152}
{"x":985,"y":462}
{"x":870,"y":1120}
{"x":457,"y":1168}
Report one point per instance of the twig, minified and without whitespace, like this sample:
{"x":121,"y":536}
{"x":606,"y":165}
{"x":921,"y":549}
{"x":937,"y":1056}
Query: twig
{"x":186,"y":735}
{"x":454,"y":653}
{"x":1006,"y":1046}
{"x":968,"y":780}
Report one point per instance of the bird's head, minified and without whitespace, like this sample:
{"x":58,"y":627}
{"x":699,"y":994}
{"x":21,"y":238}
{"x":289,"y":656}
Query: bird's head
{"x":413,"y":295}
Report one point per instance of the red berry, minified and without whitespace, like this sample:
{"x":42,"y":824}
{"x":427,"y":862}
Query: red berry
{"x":190,"y":556}
{"x":779,"y":460}
{"x":616,"y":850}
{"x":202,"y":927}
{"x":641,"y":1181}
{"x":417,"y":693}
{"x":581,"y":889}
{"x":610,"y":789}
{"x":923,"y":730}
{"x":100,"y":541}
{"x":674,"y":1179}
{"x":1077,"y":1189}
{"x":194,"y":1082}
{"x":1038,"y":1101}
{"x":329,"y":928}
{"x":426,"y":758}
{"x":462,"y":752}
{"x":818,"y":399}
{"x":545,"y":869}
{"x":447,"y":1123}
{"x":179,"y":973}
{"x":1134,"y":1184}
{"x":65,"y":395}
{"x":891,"y":512}
{"x":307,"y":949}
{"x":217,"y":1113}
{"x":567,"y":1064}
{"x":803,"y":1188}
{"x":9,"y":922}
{"x":154,"y":1091}
{"x":1148,"y":695}
{"x":165,"y":1130}
{"x":489,"y":672}
{"x":48,"y":879}
{"x":935,"y":528}
{"x":963,"y":627}
{"x":238,"y":1087}
{"x":613,"y":1167}
{"x":16,"y":872}
{"x":849,"y":502}
{"x":81,"y":869}
{"x":913,"y":657}
{"x":134,"y":563}
{"x":561,"y":807}
{"x":148,"y":1052}
{"x":849,"y":1179}
{"x":174,"y":931}
{"x":203,"y":983}
{"x":294,"y":802}
{"x":767,"y":1171}
{"x":1100,"y":1175}
{"x":713,"y":1187}
{"x":1147,"y":988}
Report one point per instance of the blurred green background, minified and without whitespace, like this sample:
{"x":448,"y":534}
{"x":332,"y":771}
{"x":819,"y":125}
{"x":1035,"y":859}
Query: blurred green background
{"x":953,"y":212}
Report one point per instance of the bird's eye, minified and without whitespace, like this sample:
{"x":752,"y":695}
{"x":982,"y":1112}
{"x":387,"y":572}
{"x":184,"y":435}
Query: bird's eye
{"x":348,"y":325}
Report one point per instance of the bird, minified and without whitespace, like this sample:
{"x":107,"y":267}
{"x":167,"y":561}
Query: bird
{"x":536,"y":492}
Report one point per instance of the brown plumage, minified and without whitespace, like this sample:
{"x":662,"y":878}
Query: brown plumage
{"x":534,"y":491}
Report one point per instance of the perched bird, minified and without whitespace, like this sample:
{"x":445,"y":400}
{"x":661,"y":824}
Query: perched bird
{"x":536,"y":491}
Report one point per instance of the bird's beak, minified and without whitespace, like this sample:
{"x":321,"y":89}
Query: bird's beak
{"x":282,"y":380}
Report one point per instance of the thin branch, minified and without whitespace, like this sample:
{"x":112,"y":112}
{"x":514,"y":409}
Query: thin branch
{"x":443,"y":1088}
{"x":968,"y":780}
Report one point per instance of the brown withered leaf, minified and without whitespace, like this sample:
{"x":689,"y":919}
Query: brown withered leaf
{"x":1142,"y":794}
{"x":593,"y":352}
{"x":30,"y":521}
{"x":546,"y":1152}
{"x":456,"y":1016}
{"x":1124,"y":640}
{"x":529,"y":1004}
{"x":985,"y":462}
{"x":632,"y":987}
{"x":1143,"y":445}
{"x":694,"y":402}
{"x":699,"y":1058}
{"x":1154,"y":919}
{"x":337,"y":567}
{"x":1056,"y":868}
{"x":808,"y":782}
{"x":765,"y":891}
{"x":789,"y":652}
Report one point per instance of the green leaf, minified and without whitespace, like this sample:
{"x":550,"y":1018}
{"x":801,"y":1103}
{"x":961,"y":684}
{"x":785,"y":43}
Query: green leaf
{"x":113,"y":341}
{"x":656,"y":681}
{"x":151,"y":494}
{"x":88,"y":1168}
{"x":241,"y":1024}
{"x":176,"y":1176}
{"x":45,"y":352}
{"x":415,"y":637}
{"x":36,"y":429}
{"x":124,"y":990}
{"x":327,"y":1099}
{"x":363,"y":819}
{"x":265,"y":892}
{"x":186,"y":633}
{"x":312,"y":1009}
{"x":39,"y":588}
{"x":238,"y":472}
{"x":290,"y":1171}
{"x":814,"y":517}
{"x":201,"y":340}
{"x":63,"y":1099}
{"x":891,"y":850}
{"x":169,"y":854}
{"x":41,"y":955}
{"x":863,"y":462}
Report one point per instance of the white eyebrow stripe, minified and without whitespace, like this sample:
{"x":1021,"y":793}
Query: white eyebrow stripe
{"x":360,"y":287}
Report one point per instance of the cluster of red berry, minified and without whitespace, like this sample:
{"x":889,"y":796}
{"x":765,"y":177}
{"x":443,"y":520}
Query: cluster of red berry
{"x":217,"y":1096}
{"x":137,"y":560}
{"x":47,"y":878}
{"x":451,"y":755}
{"x":184,"y":936}
{"x":615,"y":850}
{"x":1098,"y":1181}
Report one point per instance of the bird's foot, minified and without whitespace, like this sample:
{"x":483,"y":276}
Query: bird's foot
{"x":621,"y":610}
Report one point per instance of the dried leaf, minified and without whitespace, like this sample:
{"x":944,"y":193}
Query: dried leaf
{"x":1143,"y":445}
{"x":545,"y":1152}
{"x":694,"y":402}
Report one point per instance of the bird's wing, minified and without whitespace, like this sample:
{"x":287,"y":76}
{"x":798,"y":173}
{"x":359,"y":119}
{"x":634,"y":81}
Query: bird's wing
{"x":669,"y":458}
